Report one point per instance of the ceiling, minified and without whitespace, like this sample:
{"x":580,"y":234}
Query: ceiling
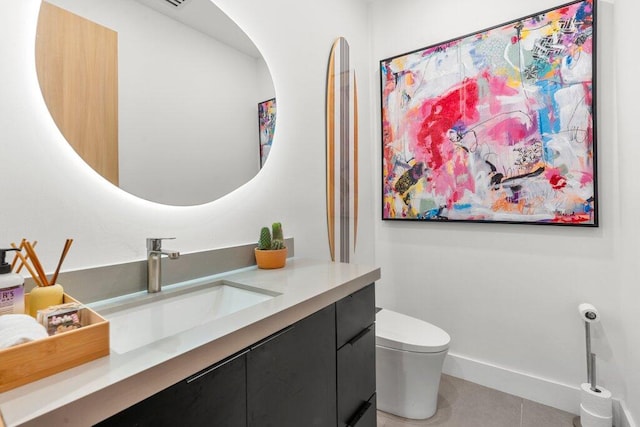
{"x":206,"y":17}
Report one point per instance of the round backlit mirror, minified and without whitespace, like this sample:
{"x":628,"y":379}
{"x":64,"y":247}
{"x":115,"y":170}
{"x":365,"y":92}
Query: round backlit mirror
{"x":161,"y":97}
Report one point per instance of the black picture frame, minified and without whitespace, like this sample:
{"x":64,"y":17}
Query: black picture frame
{"x":495,"y":126}
{"x":266,"y":127}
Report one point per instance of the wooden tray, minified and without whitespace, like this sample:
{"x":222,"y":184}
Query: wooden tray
{"x":34,"y":360}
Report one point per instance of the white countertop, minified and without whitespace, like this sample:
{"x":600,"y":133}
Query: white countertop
{"x":91,"y":392}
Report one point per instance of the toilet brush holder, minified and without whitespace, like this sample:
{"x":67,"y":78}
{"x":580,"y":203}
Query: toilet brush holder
{"x":596,"y":408}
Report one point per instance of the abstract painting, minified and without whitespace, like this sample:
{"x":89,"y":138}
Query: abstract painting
{"x":266,"y":127}
{"x":495,"y":126}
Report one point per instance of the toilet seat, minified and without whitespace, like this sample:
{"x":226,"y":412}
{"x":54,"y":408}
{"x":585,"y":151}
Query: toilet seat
{"x":400,"y":332}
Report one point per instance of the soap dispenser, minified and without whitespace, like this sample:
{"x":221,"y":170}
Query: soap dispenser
{"x":11,"y":287}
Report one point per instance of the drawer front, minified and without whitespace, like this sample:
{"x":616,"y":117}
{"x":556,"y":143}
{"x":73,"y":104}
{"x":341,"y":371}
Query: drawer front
{"x":215,"y":396}
{"x":356,"y":375}
{"x":355,"y":313}
{"x":366,"y":415}
{"x":291,"y":376}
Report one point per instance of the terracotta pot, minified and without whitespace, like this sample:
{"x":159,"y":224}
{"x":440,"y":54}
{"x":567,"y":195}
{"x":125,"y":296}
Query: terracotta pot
{"x":271,"y":259}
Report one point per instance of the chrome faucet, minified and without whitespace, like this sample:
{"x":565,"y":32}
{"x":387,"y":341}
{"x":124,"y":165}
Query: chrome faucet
{"x":154,"y":258}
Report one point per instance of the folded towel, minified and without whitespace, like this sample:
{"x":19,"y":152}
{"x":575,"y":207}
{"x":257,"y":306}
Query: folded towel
{"x":18,"y":329}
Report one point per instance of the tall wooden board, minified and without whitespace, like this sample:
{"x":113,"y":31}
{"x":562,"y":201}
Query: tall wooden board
{"x":342,"y":153}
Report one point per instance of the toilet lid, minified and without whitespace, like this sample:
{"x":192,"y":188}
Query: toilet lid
{"x":400,"y":332}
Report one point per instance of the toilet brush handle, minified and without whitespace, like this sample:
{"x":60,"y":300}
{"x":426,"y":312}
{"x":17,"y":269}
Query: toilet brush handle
{"x":592,"y":374}
{"x":587,"y":333}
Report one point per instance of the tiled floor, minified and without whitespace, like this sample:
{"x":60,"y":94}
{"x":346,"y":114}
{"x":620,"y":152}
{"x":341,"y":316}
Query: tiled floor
{"x":465,"y":404}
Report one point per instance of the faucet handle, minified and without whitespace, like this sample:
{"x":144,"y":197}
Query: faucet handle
{"x":155,"y":243}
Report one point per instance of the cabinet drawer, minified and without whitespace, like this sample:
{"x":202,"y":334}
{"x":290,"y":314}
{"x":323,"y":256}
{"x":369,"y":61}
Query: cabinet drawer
{"x":214,"y":396}
{"x":366,"y":415}
{"x":355,"y":313}
{"x":356,"y":363}
{"x":291,"y":376}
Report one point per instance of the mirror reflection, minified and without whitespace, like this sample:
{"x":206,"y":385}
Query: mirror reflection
{"x":174,"y":99}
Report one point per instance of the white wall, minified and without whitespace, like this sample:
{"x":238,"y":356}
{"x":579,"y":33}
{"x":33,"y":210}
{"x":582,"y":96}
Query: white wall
{"x":508,"y":294}
{"x":51,"y":195}
{"x":627,"y":92}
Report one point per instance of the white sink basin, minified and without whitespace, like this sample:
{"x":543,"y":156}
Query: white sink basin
{"x":146,"y":318}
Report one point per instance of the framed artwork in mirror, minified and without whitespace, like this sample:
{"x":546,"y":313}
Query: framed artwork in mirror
{"x":266,"y":126}
{"x":495,"y":126}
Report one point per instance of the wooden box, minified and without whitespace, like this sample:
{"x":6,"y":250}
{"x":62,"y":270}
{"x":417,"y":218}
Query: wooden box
{"x":34,"y":360}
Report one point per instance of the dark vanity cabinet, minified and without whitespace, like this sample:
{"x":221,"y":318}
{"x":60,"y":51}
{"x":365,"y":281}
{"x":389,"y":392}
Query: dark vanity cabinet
{"x":215,"y":396}
{"x":291,"y":378}
{"x":320,"y":371}
{"x":356,"y":359}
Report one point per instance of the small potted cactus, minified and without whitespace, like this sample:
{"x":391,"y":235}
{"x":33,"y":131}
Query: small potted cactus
{"x":271,"y":251}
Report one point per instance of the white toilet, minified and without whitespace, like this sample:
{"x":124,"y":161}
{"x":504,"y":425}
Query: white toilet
{"x":409,"y":357}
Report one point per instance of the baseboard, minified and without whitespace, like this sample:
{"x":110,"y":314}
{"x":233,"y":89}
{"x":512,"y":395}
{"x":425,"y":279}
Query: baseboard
{"x":541,"y":390}
{"x":621,"y":415}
